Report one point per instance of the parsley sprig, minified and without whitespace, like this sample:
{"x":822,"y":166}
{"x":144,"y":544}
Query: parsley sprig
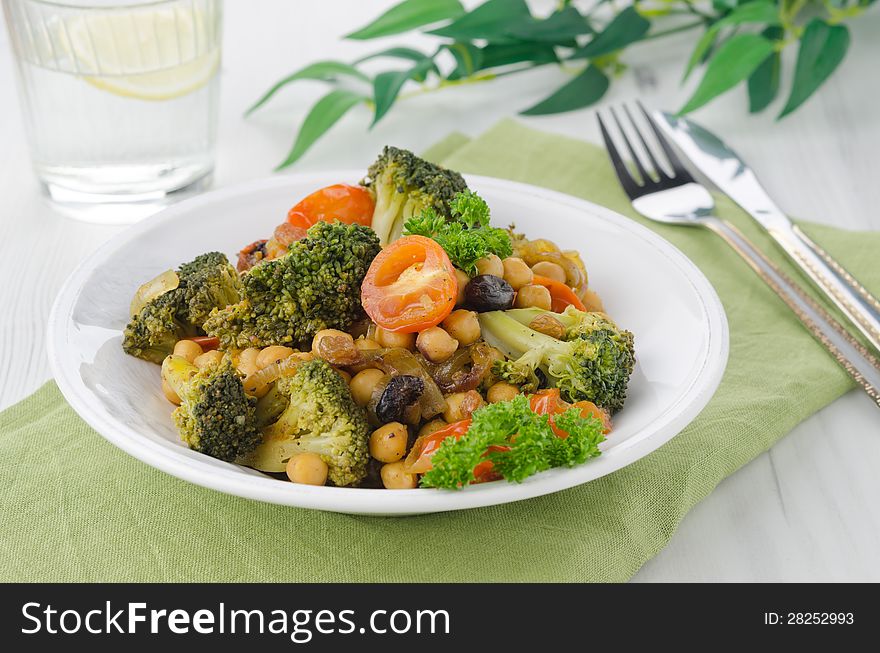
{"x":467,"y":237}
{"x":527,"y":443}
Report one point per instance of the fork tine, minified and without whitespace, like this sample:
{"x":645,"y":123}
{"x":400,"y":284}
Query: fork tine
{"x":677,"y":167}
{"x":661,"y":173}
{"x":646,"y":177}
{"x":631,"y":188}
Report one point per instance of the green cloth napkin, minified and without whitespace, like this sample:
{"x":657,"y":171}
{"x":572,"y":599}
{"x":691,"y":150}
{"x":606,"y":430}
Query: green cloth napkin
{"x":75,"y":508}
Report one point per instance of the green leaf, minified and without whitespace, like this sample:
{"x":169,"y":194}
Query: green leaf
{"x":757,"y":11}
{"x":627,"y":27}
{"x":700,"y":51}
{"x":582,"y":91}
{"x":395,"y":53}
{"x":558,"y":27}
{"x":762,"y":11}
{"x":468,"y":59}
{"x":763,"y":84}
{"x":507,"y":53}
{"x":735,"y":61}
{"x":404,"y":53}
{"x":488,"y":21}
{"x":387,"y":86}
{"x":823,"y":47}
{"x":408,"y":15}
{"x":320,"y":70}
{"x":322,"y":116}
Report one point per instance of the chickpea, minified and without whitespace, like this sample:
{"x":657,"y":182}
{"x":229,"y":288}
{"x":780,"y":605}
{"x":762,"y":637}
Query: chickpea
{"x":391,"y":339}
{"x":592,"y":301}
{"x":436,"y":345}
{"x":516,"y":272}
{"x":432,"y":427}
{"x":463,"y":325}
{"x":388,"y":442}
{"x":462,"y":278}
{"x":394,"y":478}
{"x":169,"y":393}
{"x":345,"y":375}
{"x":529,"y":296}
{"x":256,"y":387}
{"x":248,"y":356}
{"x":550,"y":270}
{"x":363,"y":383}
{"x":271,"y":355}
{"x":307,"y":468}
{"x":501,"y":391}
{"x":365,"y":344}
{"x":490,"y":265}
{"x":208,"y":358}
{"x":461,"y":405}
{"x":246,"y":369}
{"x":247,"y":361}
{"x":335,"y":346}
{"x":187,"y":349}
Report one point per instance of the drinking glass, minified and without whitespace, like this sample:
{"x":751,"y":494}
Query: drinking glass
{"x":119,"y":100}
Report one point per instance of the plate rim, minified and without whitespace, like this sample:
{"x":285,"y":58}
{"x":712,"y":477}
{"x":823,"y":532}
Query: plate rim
{"x":401,"y":502}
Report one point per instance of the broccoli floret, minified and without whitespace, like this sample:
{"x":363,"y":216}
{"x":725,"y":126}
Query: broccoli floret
{"x":205,"y":283}
{"x":215,"y":416}
{"x":592,"y":362}
{"x":404,"y":185}
{"x":466,"y":236}
{"x":316,"y":285}
{"x":152,"y":333}
{"x":321,"y":417}
{"x":522,"y":372}
{"x":208,"y":282}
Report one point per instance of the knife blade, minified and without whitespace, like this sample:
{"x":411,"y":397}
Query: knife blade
{"x":724,"y":168}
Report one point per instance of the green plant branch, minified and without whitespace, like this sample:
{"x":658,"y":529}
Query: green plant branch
{"x":674,"y":30}
{"x":743,"y":49}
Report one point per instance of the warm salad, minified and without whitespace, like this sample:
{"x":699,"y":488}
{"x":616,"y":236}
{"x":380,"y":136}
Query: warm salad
{"x":387,"y":335}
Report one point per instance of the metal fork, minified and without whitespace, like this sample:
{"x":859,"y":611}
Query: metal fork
{"x":672,"y":196}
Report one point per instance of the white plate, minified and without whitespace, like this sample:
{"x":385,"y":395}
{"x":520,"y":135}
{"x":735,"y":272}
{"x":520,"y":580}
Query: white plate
{"x":648,"y":286}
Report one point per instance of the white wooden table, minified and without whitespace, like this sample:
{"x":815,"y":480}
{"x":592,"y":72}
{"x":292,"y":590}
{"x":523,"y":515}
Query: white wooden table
{"x":806,"y":510}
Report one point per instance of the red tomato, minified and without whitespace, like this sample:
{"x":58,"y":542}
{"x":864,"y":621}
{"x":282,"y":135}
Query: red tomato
{"x":548,"y":402}
{"x":410,"y":286}
{"x":589,"y":409}
{"x":561,"y":295}
{"x":484,"y":471}
{"x":206,"y":342}
{"x":419,"y":459}
{"x":348,"y":204}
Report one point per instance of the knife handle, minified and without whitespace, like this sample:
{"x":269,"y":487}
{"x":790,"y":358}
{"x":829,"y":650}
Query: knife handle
{"x":851,"y":297}
{"x":852,"y":356}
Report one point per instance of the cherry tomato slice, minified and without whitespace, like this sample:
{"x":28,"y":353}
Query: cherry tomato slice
{"x":343,"y":202}
{"x":589,"y":409}
{"x":410,"y":286}
{"x":419,"y":459}
{"x":548,"y":402}
{"x":298,"y":220}
{"x":206,"y":342}
{"x":561,"y":295}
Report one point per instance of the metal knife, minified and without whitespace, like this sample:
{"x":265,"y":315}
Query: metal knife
{"x":733,"y":176}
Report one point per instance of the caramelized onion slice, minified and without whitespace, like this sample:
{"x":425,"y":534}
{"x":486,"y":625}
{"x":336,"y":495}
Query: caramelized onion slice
{"x":152,"y":289}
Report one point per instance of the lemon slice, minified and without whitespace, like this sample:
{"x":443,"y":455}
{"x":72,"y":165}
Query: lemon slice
{"x":161,"y":84}
{"x":150,"y":53}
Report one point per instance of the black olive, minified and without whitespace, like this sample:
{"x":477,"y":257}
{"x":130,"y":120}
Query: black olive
{"x":486,"y":292}
{"x":400,"y":392}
